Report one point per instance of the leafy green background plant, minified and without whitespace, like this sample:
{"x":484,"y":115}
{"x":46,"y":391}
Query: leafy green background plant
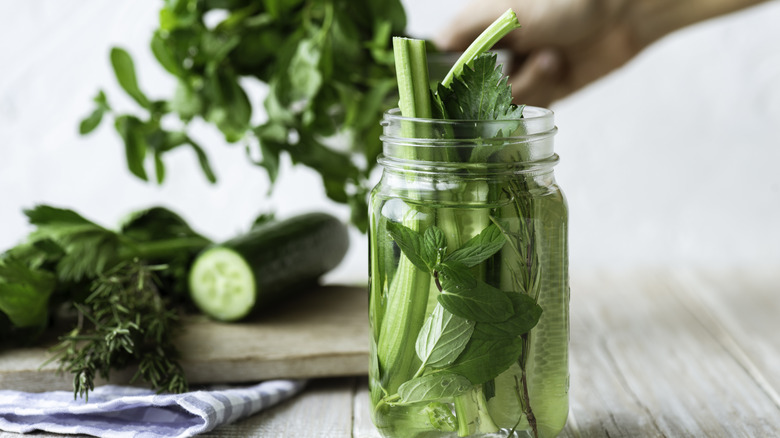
{"x":328,"y":66}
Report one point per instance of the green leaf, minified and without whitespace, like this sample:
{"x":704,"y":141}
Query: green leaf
{"x":24,"y":293}
{"x":489,"y":389}
{"x":410,"y":242}
{"x":230,"y":108}
{"x":24,"y":305}
{"x":156,"y":223}
{"x":480,"y":92}
{"x":304,"y":74}
{"x":163,"y":53}
{"x":479,"y":248}
{"x":92,"y":121}
{"x":263,"y":219}
{"x":186,"y":102}
{"x":278,"y":8}
{"x":159,"y":167}
{"x":434,"y":246}
{"x":433,"y":387}
{"x":124,"y":69}
{"x":484,"y":360}
{"x":457,"y":273}
{"x":47,"y":215}
{"x":130,"y":128}
{"x":87,"y":248}
{"x":481,"y":303}
{"x":527,"y":314}
{"x":442,"y":338}
{"x":203,"y":160}
{"x":271,"y":139}
{"x":215,"y":46}
{"x":270,"y":160}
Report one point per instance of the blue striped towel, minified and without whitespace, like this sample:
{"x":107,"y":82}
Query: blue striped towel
{"x":120,"y":411}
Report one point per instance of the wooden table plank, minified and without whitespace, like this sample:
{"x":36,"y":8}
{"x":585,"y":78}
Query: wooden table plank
{"x":741,"y":308}
{"x":324,"y":409}
{"x":659,"y":355}
{"x":323,"y":333}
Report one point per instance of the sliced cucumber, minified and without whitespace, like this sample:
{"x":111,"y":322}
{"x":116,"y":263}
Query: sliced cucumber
{"x":222,"y":284}
{"x":273,"y":260}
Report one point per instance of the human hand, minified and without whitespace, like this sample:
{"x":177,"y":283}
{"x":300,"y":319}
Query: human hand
{"x":567,"y":44}
{"x":562,"y":46}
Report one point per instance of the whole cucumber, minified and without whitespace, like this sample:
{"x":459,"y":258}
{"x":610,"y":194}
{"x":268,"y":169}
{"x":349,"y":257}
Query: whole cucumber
{"x":274,"y":260}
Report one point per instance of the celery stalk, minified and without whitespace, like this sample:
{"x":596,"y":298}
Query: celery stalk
{"x":408,"y":294}
{"x":504,"y":24}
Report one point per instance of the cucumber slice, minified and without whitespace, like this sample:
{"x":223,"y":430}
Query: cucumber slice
{"x":222,"y":284}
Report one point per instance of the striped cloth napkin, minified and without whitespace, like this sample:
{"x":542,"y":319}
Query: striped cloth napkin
{"x":120,"y":411}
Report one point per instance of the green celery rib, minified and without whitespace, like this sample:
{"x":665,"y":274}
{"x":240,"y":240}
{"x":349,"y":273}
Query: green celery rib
{"x":504,"y":24}
{"x":460,"y":229}
{"x":408,"y":295}
{"x":412,"y":74}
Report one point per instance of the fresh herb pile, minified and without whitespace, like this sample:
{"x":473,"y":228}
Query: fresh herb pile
{"x":328,"y":66}
{"x":453,"y":313}
{"x":123,"y":288}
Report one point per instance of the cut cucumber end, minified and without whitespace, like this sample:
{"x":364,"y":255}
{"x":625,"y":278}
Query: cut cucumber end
{"x":222,"y":284}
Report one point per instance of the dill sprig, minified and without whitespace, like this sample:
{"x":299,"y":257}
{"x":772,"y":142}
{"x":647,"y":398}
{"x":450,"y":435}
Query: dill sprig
{"x":124,"y":321}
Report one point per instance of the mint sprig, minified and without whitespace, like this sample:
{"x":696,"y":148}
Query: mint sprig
{"x":475,"y":330}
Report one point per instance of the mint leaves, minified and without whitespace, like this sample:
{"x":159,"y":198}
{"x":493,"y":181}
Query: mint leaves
{"x":481,"y":302}
{"x":433,"y":387}
{"x":442,"y":338}
{"x":477,"y":249}
{"x":474,"y":332}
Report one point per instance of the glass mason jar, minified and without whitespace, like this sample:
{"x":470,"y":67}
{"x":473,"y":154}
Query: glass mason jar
{"x":469,"y":287}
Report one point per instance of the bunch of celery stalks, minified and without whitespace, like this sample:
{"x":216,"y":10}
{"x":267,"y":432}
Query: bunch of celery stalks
{"x":431,"y":374}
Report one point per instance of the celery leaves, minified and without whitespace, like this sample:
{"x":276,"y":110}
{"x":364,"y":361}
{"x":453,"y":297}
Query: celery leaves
{"x":481,"y":92}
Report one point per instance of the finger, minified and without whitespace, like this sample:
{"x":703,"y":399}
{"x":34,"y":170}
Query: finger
{"x":538,"y":80}
{"x":470,"y":22}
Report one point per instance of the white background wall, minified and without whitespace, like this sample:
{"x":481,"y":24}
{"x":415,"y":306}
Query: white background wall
{"x":671,"y":160}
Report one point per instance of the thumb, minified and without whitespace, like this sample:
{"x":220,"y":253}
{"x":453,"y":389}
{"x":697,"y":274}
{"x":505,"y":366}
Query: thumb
{"x":537,"y":81}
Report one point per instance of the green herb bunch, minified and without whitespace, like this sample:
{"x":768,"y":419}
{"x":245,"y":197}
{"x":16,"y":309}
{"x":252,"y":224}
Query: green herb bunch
{"x":124,"y":321}
{"x":328,"y":66}
{"x":114,"y":283}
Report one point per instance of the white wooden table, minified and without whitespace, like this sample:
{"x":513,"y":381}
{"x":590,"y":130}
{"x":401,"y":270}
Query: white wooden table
{"x":654,"y":353}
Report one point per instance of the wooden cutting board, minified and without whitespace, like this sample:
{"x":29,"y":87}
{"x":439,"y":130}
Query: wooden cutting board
{"x":322,"y":333}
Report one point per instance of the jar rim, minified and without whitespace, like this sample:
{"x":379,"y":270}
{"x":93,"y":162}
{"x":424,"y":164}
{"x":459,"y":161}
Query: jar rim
{"x":537,"y":114}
